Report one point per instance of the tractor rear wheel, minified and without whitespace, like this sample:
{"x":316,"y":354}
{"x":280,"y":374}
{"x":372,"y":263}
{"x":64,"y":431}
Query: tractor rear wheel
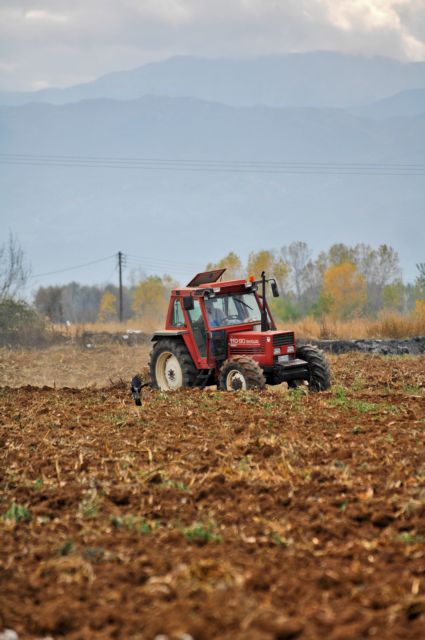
{"x":320,"y":374}
{"x":171,"y":366}
{"x":241,"y":373}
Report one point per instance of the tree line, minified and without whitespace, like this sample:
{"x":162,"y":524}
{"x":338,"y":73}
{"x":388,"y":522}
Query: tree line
{"x":343,"y":282}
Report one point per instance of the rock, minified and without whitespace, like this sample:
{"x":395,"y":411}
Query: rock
{"x":8,"y":634}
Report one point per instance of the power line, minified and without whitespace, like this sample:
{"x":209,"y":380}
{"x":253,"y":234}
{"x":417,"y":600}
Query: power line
{"x":208,"y":161}
{"x":78,"y":266}
{"x":214,"y":166}
{"x":133,"y":258}
{"x":128,"y":260}
{"x":157,"y":270}
{"x":160,"y":265}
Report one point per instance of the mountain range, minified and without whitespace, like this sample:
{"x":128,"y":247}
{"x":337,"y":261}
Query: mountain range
{"x":319,"y":79}
{"x":347,"y":132}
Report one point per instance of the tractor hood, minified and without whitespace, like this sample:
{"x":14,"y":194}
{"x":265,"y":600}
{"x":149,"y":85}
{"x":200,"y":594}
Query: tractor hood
{"x":256,"y":342}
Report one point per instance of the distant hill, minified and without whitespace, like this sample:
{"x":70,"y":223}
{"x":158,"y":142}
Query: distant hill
{"x":155,"y":126}
{"x":320,"y":79}
{"x":402,"y":105}
{"x":69,"y":215}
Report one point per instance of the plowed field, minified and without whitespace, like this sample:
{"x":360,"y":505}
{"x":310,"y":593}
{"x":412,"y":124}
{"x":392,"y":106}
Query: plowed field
{"x":254,"y":516}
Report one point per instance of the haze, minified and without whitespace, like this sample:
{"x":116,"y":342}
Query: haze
{"x":337,"y":84}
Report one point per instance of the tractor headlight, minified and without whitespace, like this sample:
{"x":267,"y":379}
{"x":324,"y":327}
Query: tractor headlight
{"x":290,"y":349}
{"x":276,"y":351}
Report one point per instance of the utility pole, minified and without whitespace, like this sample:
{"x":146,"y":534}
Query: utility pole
{"x":120,"y":264}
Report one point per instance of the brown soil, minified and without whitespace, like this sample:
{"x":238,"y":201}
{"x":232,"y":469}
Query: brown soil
{"x":255,"y":516}
{"x":71,"y":366}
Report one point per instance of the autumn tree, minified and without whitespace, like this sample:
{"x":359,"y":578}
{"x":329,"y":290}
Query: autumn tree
{"x":271,"y":263}
{"x":420,"y":308}
{"x":232,"y":263}
{"x":420,"y":290}
{"x":339,"y":253}
{"x":379,"y":267}
{"x":345,"y":289}
{"x":74,"y":302}
{"x":107,"y":307}
{"x":150,"y":299}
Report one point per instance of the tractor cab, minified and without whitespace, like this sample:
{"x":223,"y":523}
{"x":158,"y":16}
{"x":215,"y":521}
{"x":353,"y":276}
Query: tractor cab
{"x":223,"y":333}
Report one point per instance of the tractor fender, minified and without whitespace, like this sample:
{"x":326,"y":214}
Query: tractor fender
{"x":168,"y":333}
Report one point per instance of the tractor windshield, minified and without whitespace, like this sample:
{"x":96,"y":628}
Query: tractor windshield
{"x":237,"y":308}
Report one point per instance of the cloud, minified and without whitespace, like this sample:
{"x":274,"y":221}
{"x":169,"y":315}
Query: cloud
{"x":61,"y":42}
{"x":45,"y":16}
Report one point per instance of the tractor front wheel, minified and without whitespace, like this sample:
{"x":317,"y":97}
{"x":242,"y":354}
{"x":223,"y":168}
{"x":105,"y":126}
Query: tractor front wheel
{"x":320,"y":374}
{"x":171,"y":366}
{"x":241,"y":373}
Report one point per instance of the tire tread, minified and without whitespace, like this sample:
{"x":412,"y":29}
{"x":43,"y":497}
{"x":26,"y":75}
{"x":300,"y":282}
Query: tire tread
{"x":320,"y":373}
{"x":182,"y":354}
{"x":253,"y":373}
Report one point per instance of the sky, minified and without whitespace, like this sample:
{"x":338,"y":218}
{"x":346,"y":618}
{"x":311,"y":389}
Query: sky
{"x":46,"y":43}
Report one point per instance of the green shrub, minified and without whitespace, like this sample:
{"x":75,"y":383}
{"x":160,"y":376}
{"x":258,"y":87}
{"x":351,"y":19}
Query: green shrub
{"x":18,"y":513}
{"x":20,"y":325}
{"x":201,"y":533}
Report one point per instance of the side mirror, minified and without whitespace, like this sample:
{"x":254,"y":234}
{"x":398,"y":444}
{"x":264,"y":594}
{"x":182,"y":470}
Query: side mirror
{"x":275,"y":290}
{"x":188,"y":303}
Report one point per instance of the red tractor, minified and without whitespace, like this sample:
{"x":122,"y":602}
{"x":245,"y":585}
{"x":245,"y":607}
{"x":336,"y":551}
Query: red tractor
{"x":223,"y":333}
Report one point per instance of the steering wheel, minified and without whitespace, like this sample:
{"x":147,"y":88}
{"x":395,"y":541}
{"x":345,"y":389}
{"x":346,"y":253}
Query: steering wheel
{"x":231,"y":319}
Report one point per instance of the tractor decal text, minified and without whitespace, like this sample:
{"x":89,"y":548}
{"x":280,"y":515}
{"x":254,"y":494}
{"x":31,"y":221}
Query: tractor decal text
{"x":236,"y":341}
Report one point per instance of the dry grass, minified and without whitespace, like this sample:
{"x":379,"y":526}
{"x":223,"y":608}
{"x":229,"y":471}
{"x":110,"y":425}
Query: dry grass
{"x":387,"y":325}
{"x":134,"y":324}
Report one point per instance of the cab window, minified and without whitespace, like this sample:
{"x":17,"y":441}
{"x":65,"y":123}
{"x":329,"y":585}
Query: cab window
{"x":198,"y":328}
{"x":177,"y":318}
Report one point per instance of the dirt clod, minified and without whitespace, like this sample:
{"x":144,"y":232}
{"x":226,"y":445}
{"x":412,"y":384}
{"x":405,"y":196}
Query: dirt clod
{"x":307,"y":523}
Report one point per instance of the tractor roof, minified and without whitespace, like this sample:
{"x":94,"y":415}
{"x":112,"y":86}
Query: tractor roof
{"x":206,"y":277}
{"x":210,"y":279}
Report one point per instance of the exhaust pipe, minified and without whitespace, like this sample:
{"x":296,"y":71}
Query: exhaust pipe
{"x":264,"y":321}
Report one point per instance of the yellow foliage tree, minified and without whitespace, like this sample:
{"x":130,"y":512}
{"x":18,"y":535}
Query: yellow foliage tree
{"x":150,"y":301}
{"x":231,"y":263}
{"x":345,"y":288}
{"x":274,"y":266}
{"x":107,"y":307}
{"x":420,"y":308}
